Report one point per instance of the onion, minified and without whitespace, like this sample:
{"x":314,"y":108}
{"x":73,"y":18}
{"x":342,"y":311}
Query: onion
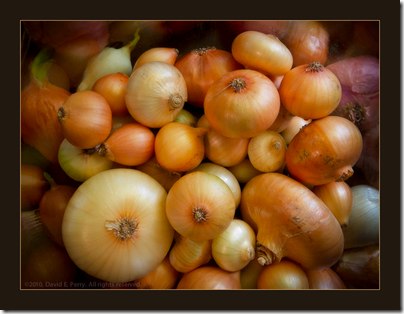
{"x":324,"y":279}
{"x":292,"y":222}
{"x":283,"y":275}
{"x":242,"y":104}
{"x":244,"y":171}
{"x":155,"y":94}
{"x":115,"y":227}
{"x":33,"y":186}
{"x":201,"y":67}
{"x":58,"y":77}
{"x":359,"y":78}
{"x":295,"y":125}
{"x":363,"y":224}
{"x":117,"y":122}
{"x":310,"y":91}
{"x":168,"y":55}
{"x":324,"y":151}
{"x":261,"y":52}
{"x":200,"y":206}
{"x":249,"y":274}
{"x":186,"y":117}
{"x":211,"y":278}
{"x":222,"y":150}
{"x":282,"y":121}
{"x":276,"y":28}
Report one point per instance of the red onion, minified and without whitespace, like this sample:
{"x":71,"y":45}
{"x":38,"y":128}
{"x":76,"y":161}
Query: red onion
{"x":359,"y":78}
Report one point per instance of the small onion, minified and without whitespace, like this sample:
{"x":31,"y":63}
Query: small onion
{"x":117,"y":122}
{"x":324,"y":279}
{"x":211,"y":278}
{"x":283,"y":275}
{"x":33,"y":186}
{"x":363,"y":223}
{"x":235,"y":247}
{"x":295,"y":125}
{"x":339,"y":199}
{"x":86,"y":119}
{"x":168,"y":55}
{"x":186,"y":117}
{"x":261,"y":52}
{"x":244,"y":171}
{"x":200,"y":206}
{"x":242,"y":104}
{"x":310,"y":91}
{"x":282,"y":121}
{"x":249,"y":274}
{"x":155,"y":94}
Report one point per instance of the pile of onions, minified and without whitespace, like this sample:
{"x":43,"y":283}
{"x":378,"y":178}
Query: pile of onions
{"x":324,"y":151}
{"x":201,"y":67}
{"x":115,"y":227}
{"x":242,"y":104}
{"x":155,"y":94}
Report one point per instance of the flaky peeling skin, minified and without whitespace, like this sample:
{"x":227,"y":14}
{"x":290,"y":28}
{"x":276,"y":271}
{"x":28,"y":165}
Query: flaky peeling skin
{"x":292,"y":222}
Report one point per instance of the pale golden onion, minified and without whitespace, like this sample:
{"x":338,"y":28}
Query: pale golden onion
{"x":294,"y":126}
{"x":282,"y":120}
{"x":186,"y":117}
{"x":200,"y":206}
{"x":209,"y":277}
{"x":168,"y":55}
{"x":233,"y":249}
{"x":155,"y":94}
{"x":115,"y":227}
{"x":244,"y":171}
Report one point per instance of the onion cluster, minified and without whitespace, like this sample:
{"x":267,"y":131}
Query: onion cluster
{"x":204,"y":168}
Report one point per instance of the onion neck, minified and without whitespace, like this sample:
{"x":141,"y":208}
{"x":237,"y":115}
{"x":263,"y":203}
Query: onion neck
{"x":345,"y":173}
{"x":61,"y":114}
{"x":315,"y":67}
{"x":264,"y":255}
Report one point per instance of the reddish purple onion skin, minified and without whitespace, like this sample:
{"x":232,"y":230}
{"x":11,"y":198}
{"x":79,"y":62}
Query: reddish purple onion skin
{"x":359,"y":78}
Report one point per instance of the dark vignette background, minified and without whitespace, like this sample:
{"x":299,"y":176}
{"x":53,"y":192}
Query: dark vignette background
{"x":387,"y":298}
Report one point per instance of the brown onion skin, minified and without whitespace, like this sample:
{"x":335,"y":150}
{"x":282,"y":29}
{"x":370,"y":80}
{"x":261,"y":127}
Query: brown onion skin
{"x":324,"y":151}
{"x":201,"y":67}
{"x":324,"y":279}
{"x":33,"y":186}
{"x":208,"y":277}
{"x":359,"y":267}
{"x":292,"y":222}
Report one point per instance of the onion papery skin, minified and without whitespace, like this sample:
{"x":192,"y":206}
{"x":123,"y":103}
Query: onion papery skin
{"x":284,"y":275}
{"x":324,"y":151}
{"x":210,"y":278}
{"x":155,"y":94}
{"x":244,"y":171}
{"x":168,"y":55}
{"x":200,"y":206}
{"x":310,"y":91}
{"x":163,"y":176}
{"x":307,"y":42}
{"x":292,"y":222}
{"x":223,"y":174}
{"x":242,"y":104}
{"x":164,"y":276}
{"x":261,"y":52}
{"x":112,"y":87}
{"x":267,"y":151}
{"x":131,"y":145}
{"x":187,"y":255}
{"x":179,"y":147}
{"x":39,"y":111}
{"x":221,"y":150}
{"x":338,"y":197}
{"x":33,"y":186}
{"x":282,"y":121}
{"x":324,"y":279}
{"x":235,"y":247}
{"x":81,"y":164}
{"x":136,"y":202}
{"x":201,"y":67}
{"x":86,"y":119}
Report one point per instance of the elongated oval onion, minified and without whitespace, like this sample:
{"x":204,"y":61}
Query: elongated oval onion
{"x":200,"y":206}
{"x":324,"y":279}
{"x":283,"y":275}
{"x":324,"y":151}
{"x":242,"y":104}
{"x":164,"y":276}
{"x":292,"y":222}
{"x":209,"y":277}
{"x":363,"y":223}
{"x":115,"y":227}
{"x":81,"y":164}
{"x":235,"y":247}
{"x":339,"y":199}
{"x":187,"y":255}
{"x":155,"y":94}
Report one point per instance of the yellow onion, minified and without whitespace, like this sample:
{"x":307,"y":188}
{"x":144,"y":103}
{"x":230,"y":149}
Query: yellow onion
{"x":168,"y":55}
{"x":249,"y":274}
{"x":33,"y":186}
{"x":339,"y":199}
{"x":284,"y":275}
{"x":210,"y":278}
{"x":187,"y":255}
{"x":324,"y":279}
{"x":179,"y":147}
{"x":295,"y":125}
{"x":164,"y":276}
{"x":200,"y":206}
{"x":244,"y":171}
{"x":233,"y":249}
{"x":155,"y":94}
{"x":282,"y":121}
{"x":222,"y":150}
{"x":119,"y":121}
{"x":186,"y":117}
{"x":115,"y":227}
{"x":292,"y":222}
